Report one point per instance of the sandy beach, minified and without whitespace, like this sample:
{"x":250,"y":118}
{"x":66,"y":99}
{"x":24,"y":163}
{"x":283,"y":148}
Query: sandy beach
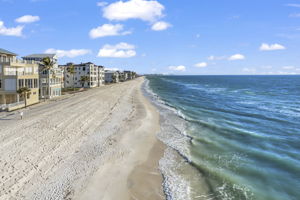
{"x":98,"y":144}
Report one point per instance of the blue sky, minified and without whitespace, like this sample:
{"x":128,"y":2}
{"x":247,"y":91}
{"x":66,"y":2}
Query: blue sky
{"x":176,"y":37}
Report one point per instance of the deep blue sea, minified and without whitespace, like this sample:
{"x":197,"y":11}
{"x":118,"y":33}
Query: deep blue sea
{"x":229,"y":137}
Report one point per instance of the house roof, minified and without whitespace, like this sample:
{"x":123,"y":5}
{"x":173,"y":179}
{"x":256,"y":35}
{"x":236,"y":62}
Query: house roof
{"x":39,"y":56}
{"x":110,"y":71}
{"x":3,"y":51}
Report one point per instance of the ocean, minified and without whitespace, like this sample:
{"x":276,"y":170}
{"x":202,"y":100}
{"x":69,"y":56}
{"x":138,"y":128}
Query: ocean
{"x":229,"y":137}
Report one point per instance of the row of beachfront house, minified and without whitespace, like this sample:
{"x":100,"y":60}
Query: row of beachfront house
{"x":31,"y":72}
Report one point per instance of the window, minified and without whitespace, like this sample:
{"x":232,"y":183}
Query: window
{"x":21,"y":83}
{"x":0,"y":83}
{"x":29,"y":83}
{"x":35,"y":83}
{"x":10,"y":84}
{"x":83,"y":68}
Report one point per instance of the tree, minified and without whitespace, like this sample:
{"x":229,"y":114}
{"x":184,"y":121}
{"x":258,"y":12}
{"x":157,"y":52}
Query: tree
{"x":71,"y":70}
{"x":133,"y":74}
{"x":47,"y":65}
{"x":114,"y":78}
{"x":24,"y":92}
{"x":122,"y":77}
{"x":84,"y":79}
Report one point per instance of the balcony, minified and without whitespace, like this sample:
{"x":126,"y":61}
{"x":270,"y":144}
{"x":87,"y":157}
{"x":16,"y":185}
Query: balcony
{"x":13,"y":60}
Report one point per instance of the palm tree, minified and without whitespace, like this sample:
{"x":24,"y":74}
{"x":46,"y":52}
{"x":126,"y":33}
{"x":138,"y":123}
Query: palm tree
{"x":133,"y":74}
{"x":47,"y":65}
{"x":121,"y":77}
{"x":71,"y":70}
{"x":114,"y":78}
{"x":24,"y":92}
{"x":84,"y":79}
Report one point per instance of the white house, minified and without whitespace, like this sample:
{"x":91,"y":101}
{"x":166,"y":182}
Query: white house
{"x":87,"y":75}
{"x":111,"y":76}
{"x":50,"y":81}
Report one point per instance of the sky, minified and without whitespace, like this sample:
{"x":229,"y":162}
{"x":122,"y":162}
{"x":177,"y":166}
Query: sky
{"x":186,"y":37}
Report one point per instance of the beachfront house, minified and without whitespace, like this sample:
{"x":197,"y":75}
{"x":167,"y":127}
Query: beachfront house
{"x":101,"y":76}
{"x":50,"y":80}
{"x":111,"y":76}
{"x":86,"y":75}
{"x":130,"y":75}
{"x":17,"y":74}
{"x":123,"y":76}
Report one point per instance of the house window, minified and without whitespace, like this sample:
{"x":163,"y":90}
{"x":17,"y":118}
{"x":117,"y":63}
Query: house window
{"x":83,"y":68}
{"x":35,"y":83}
{"x":21,"y":83}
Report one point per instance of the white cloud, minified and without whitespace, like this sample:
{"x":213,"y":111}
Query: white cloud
{"x":113,"y":69}
{"x":27,"y":19}
{"x":266,"y":67}
{"x":101,"y":4}
{"x":237,"y":57}
{"x":293,"y":5}
{"x":68,"y":53}
{"x":177,"y":68}
{"x":217,"y":58}
{"x":285,"y":73}
{"x":160,"y":26}
{"x":288,"y":67}
{"x":249,"y":70}
{"x":14,"y":31}
{"x":108,"y":30}
{"x":134,"y":9}
{"x":121,"y":50}
{"x":201,"y":65}
{"x":295,"y":15}
{"x":271,"y":47}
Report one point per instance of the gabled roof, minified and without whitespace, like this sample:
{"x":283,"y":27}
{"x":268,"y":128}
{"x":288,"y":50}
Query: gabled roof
{"x":3,"y":51}
{"x":39,"y":56}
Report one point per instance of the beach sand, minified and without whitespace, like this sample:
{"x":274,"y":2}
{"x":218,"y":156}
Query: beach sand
{"x":98,"y":144}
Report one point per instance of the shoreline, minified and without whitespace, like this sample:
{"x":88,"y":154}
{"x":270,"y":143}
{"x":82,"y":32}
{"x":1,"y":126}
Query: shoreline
{"x":100,"y":144}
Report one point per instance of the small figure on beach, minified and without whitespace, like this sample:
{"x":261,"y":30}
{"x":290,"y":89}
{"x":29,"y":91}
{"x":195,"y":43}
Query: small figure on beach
{"x":21,"y":115}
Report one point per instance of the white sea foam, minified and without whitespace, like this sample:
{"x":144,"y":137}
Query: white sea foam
{"x":176,"y":187}
{"x":173,"y":134}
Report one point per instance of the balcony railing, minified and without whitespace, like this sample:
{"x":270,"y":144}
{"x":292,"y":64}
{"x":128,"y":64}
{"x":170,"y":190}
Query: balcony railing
{"x":16,"y":60}
{"x":16,"y":73}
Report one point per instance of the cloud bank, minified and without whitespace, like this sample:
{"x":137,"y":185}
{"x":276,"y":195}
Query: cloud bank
{"x":121,"y":50}
{"x":108,"y":30}
{"x":68,"y":53}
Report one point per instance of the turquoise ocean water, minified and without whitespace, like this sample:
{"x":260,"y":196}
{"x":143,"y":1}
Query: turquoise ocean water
{"x":229,"y":137}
